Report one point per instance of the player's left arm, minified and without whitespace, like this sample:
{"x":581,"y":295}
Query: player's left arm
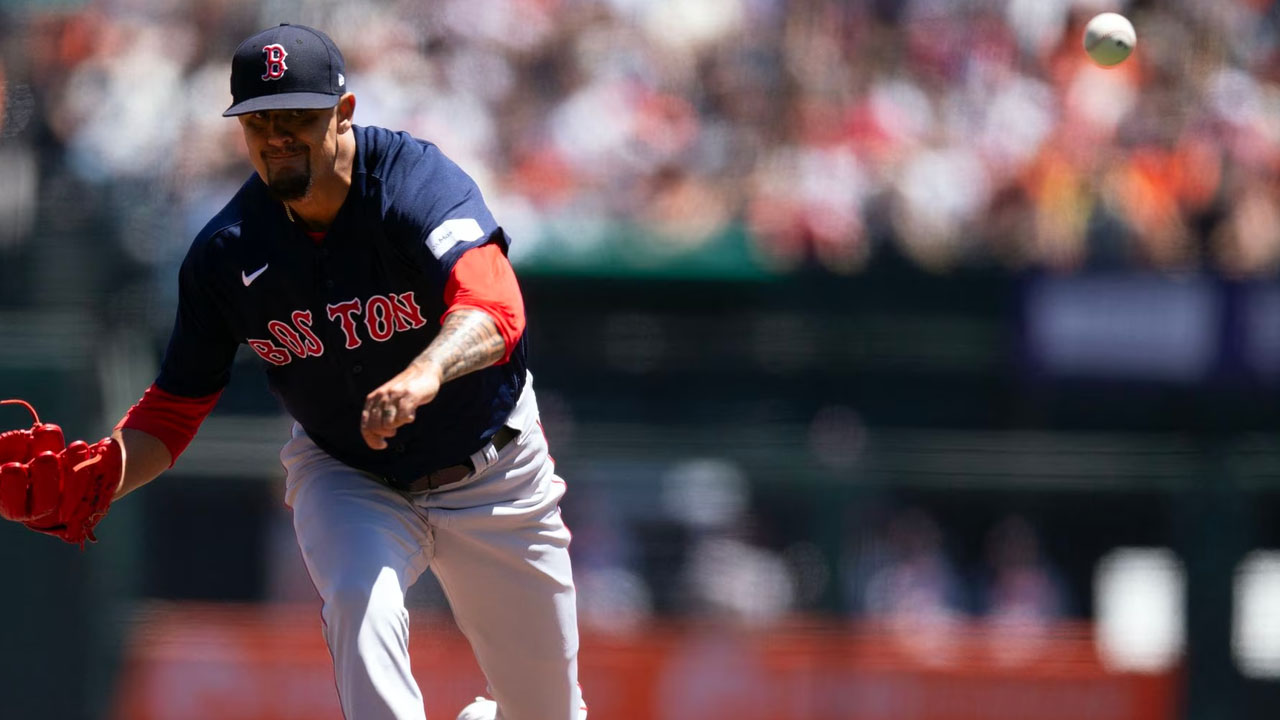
{"x":481,"y":326}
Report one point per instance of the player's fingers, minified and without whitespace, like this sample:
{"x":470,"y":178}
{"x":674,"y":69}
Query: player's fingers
{"x":373,"y":430}
{"x":386,"y":414}
{"x":386,"y":409}
{"x":376,"y":398}
{"x":375,"y":440}
{"x":372,"y":417}
{"x":398,"y":409}
{"x":370,"y":407}
{"x":377,"y":420}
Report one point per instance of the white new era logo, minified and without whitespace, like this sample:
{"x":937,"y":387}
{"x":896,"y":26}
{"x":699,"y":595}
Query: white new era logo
{"x":248,"y":279}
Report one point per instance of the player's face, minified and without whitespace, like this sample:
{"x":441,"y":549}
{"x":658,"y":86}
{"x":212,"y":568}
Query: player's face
{"x":285,"y":146}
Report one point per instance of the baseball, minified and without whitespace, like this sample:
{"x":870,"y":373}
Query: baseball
{"x":1109,"y":39}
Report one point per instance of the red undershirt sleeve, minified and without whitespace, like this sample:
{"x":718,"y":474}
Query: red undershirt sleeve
{"x":172,"y":419}
{"x":482,"y":279}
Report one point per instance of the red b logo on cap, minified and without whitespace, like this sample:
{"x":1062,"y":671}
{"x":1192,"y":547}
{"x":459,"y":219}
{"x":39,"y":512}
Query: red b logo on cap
{"x":274,"y":57}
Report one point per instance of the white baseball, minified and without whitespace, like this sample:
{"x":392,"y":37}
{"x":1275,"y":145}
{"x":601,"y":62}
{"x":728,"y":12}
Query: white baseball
{"x":1109,"y":39}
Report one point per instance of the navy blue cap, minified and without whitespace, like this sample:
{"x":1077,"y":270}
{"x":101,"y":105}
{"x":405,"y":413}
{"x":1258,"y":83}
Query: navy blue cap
{"x":287,"y":67}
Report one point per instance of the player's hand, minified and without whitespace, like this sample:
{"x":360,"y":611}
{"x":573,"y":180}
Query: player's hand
{"x":396,"y":402}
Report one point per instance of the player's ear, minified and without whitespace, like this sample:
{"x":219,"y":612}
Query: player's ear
{"x":346,"y":110}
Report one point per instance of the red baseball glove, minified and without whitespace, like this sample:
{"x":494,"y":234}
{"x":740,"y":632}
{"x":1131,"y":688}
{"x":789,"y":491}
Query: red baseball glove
{"x":59,"y":490}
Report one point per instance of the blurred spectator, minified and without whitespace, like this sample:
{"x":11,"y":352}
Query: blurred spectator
{"x":727,"y":574}
{"x":911,"y":585}
{"x":1022,"y":594}
{"x":612,"y":595}
{"x":1021,"y":587}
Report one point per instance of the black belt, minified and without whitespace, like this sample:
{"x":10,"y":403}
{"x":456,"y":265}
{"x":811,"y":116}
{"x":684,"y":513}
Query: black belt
{"x":455,"y":473}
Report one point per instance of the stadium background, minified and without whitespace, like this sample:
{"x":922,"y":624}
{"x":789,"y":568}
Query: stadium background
{"x":901,"y":364}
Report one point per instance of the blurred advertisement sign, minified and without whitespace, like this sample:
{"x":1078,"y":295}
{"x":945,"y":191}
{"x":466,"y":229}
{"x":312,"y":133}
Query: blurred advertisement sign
{"x":1123,"y":327}
{"x":269,"y":663}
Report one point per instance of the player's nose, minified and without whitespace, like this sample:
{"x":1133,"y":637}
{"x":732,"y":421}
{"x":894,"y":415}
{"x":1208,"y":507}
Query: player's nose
{"x":277,"y":133}
{"x":279,"y":138}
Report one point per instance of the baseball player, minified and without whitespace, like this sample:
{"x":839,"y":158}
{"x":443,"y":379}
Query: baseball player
{"x":364,"y":268}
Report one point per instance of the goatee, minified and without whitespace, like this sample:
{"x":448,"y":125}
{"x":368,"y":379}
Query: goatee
{"x":290,"y":184}
{"x":290,"y":187}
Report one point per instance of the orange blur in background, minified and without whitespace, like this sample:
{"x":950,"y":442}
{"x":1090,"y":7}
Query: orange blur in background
{"x":198,"y":662}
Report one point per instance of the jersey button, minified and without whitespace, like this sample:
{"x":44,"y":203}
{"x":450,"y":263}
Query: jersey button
{"x":399,"y":447}
{"x":328,"y":283}
{"x":357,"y":369}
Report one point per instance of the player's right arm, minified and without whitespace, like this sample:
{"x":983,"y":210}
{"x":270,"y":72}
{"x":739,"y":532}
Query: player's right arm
{"x":195,"y":369}
{"x":155,"y":431}
{"x":145,"y":457}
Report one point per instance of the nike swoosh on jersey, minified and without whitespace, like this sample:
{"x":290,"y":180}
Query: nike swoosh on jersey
{"x":248,"y":279}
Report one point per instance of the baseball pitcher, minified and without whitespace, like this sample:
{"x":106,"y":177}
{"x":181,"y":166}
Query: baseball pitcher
{"x":366,"y":271}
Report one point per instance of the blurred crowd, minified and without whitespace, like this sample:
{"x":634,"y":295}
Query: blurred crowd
{"x":705,"y":545}
{"x":828,"y":133}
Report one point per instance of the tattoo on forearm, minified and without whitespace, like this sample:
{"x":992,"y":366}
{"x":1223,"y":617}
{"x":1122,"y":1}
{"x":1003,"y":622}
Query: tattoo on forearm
{"x":468,"y":341}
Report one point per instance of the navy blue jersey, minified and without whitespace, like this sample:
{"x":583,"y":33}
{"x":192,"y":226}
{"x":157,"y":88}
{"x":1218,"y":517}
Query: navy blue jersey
{"x":335,"y":319}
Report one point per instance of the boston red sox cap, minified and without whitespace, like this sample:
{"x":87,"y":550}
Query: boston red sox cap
{"x":287,"y":67}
